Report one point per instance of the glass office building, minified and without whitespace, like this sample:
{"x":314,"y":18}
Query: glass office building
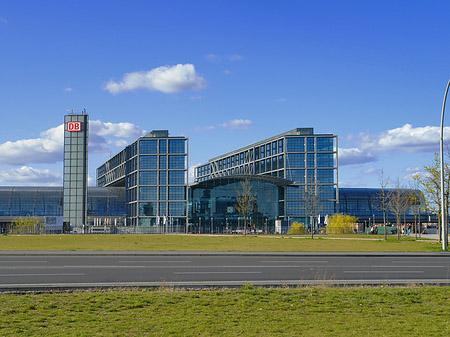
{"x":153,"y":171}
{"x":306,"y":162}
{"x":75,"y":177}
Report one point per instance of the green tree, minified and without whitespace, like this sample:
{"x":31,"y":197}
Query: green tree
{"x":25,"y":225}
{"x":341,"y":224}
{"x":430,"y":181}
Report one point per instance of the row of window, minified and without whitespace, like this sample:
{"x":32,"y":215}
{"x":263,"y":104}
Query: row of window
{"x":154,"y":208}
{"x":245,"y":157}
{"x":151,"y":193}
{"x":149,"y":208}
{"x":297,"y":144}
{"x":312,"y":144}
{"x":321,"y":176}
{"x":299,"y":160}
{"x":150,"y":162}
{"x":154,"y":146}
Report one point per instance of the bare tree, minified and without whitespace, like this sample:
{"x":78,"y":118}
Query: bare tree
{"x":246,"y":201}
{"x":398,"y":202}
{"x":415,"y":197}
{"x":382,"y":198}
{"x":312,"y":202}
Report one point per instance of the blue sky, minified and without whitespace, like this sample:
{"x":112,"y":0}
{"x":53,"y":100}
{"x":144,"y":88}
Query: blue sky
{"x":225,"y":74}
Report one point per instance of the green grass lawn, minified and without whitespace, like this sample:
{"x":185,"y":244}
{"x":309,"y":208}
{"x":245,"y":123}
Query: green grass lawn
{"x":406,"y":311}
{"x":357,"y":243}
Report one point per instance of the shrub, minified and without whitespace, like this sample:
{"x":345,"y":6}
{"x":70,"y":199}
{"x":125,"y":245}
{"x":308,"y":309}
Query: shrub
{"x":296,"y":228}
{"x":341,"y":224}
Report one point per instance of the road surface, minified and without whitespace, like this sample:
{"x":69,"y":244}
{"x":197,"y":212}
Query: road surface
{"x":84,"y":270}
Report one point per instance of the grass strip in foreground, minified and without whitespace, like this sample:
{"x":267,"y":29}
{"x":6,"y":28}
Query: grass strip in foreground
{"x":215,"y":243}
{"x":249,"y":311}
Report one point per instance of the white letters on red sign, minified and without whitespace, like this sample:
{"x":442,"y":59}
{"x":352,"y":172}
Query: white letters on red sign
{"x":73,"y":126}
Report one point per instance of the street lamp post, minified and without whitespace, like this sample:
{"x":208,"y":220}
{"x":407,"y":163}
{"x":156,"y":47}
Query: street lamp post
{"x":443,"y":215}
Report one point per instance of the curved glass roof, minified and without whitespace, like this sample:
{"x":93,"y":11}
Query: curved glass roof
{"x":238,"y":177}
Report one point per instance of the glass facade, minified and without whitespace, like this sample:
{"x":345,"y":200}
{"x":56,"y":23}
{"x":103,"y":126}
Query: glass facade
{"x":102,"y":204}
{"x":308,"y":160}
{"x":155,"y":181}
{"x":75,"y":175}
{"x":213,"y":204}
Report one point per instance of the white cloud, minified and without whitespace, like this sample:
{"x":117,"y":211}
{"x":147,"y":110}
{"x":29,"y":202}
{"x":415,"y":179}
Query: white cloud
{"x":281,"y":100}
{"x":48,"y":148}
{"x":68,"y":90}
{"x":213,"y":58}
{"x":237,"y":124}
{"x":355,"y":183}
{"x":204,"y":128}
{"x":354,"y":156}
{"x":226,"y":72}
{"x":191,"y":173}
{"x":370,"y":170}
{"x":3,"y":20}
{"x":403,"y":139}
{"x":413,"y":169}
{"x":123,"y":130}
{"x":194,"y":98}
{"x":29,"y":176}
{"x":165,"y":79}
{"x":406,"y":138}
{"x":235,"y":57}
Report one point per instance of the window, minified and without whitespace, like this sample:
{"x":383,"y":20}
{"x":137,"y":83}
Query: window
{"x":148,"y":178}
{"x":324,"y":144}
{"x":177,"y":193}
{"x":281,"y":161}
{"x":177,"y":208}
{"x":177,"y":177}
{"x":163,"y":146}
{"x":177,"y":145}
{"x":147,"y":162}
{"x":147,"y":208}
{"x":296,"y":175}
{"x":162,"y":193}
{"x":325,"y":176}
{"x":295,"y":160}
{"x":148,"y":146}
{"x":177,"y":162}
{"x":162,"y":162}
{"x":310,"y":144}
{"x":310,"y":160}
{"x":295,"y":144}
{"x":147,"y":193}
{"x":162,"y":177}
{"x":280,"y":146}
{"x":325,"y":160}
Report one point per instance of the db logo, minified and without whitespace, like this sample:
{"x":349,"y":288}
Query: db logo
{"x":73,"y":126}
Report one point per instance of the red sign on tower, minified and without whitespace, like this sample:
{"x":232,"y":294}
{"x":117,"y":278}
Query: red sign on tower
{"x":73,"y":126}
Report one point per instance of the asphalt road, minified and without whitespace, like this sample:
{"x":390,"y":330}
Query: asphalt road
{"x":64,"y":270}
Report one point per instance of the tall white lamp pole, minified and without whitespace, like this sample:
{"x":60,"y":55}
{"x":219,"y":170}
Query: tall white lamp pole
{"x":443,"y":211}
